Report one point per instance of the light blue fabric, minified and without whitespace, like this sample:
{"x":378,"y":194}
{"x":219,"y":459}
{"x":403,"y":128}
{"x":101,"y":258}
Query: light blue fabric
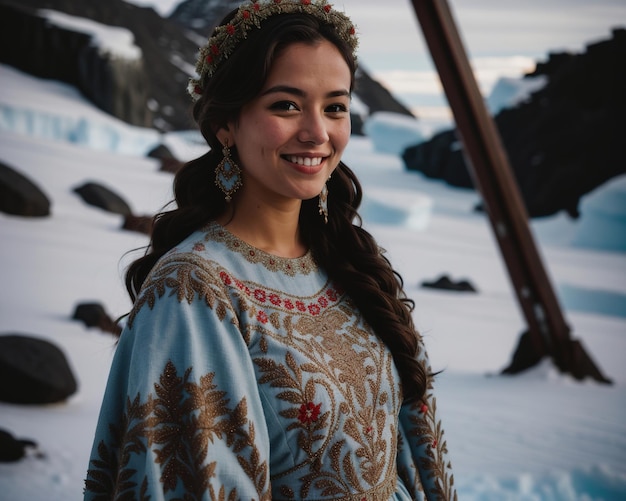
{"x":246,"y":375}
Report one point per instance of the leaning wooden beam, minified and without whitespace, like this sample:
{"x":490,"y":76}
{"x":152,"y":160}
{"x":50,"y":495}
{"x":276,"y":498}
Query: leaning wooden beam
{"x":548,"y":333}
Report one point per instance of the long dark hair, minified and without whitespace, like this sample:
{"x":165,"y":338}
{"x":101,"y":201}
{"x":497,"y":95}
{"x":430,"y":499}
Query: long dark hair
{"x":347,"y":252}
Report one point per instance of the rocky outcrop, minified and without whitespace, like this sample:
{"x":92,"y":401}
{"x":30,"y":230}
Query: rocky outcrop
{"x":563,"y":142}
{"x":153,"y":95}
{"x":33,"y":44}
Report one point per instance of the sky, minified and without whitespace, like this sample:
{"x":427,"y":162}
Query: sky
{"x":502,"y":38}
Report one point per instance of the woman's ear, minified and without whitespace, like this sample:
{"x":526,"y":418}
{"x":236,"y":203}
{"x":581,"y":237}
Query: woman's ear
{"x":225,"y":135}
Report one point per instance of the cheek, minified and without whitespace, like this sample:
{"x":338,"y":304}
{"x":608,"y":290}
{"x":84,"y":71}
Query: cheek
{"x":343,"y":136}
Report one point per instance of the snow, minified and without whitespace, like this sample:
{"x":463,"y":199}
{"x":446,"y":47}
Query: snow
{"x":393,"y":133}
{"x":113,"y":41}
{"x":537,"y":436}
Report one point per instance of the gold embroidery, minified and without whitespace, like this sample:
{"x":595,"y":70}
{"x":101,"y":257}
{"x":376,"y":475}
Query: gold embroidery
{"x":187,"y":275}
{"x":178,"y":425}
{"x":290,"y":266}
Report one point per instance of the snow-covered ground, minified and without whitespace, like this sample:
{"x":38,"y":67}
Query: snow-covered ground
{"x":538,"y":436}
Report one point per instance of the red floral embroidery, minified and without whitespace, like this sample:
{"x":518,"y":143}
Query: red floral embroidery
{"x":424,"y":409}
{"x":274,"y":299}
{"x":309,"y":412}
{"x":434,"y":444}
{"x":198,"y":246}
{"x":314,"y":309}
{"x":261,"y":316}
{"x":263,"y":296}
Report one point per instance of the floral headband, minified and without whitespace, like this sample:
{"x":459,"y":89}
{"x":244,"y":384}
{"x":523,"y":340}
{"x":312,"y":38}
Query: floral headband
{"x":249,"y":16}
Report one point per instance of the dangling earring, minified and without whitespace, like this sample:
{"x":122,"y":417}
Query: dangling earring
{"x":228,"y":174}
{"x":323,"y":203}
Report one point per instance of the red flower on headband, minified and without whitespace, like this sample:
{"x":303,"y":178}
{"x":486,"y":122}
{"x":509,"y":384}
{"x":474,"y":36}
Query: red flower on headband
{"x":327,"y":8}
{"x":256,"y":6}
{"x":306,"y":2}
{"x":197,"y":89}
{"x":230,"y":29}
{"x":215,"y":49}
{"x":277,"y":1}
{"x":352,"y":30}
{"x":209,"y":59}
{"x":246,"y":14}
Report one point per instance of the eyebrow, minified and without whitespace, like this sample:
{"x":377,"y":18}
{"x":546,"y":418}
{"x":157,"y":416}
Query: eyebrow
{"x":300,"y":93}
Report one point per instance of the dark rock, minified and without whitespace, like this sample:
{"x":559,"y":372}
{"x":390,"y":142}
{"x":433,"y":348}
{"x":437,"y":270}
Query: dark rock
{"x":440,"y":158}
{"x":563,"y":142}
{"x":100,"y":196}
{"x":140,"y":224}
{"x":160,"y":151}
{"x":94,"y":315}
{"x":33,"y":371}
{"x":445,"y":283}
{"x":29,"y":42}
{"x":169,"y":163}
{"x":13,"y":449}
{"x":375,"y":96}
{"x":20,"y":196}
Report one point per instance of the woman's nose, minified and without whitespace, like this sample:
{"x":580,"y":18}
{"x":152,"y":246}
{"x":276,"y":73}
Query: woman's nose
{"x":313,"y":129}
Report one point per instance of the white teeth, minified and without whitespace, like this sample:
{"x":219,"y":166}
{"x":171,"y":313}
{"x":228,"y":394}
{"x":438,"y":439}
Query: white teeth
{"x":308,"y":161}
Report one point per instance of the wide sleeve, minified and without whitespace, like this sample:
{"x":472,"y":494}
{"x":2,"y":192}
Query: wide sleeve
{"x":181,"y":416}
{"x":423,"y":463}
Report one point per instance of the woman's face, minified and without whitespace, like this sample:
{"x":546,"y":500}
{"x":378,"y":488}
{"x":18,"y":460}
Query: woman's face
{"x":290,"y":138}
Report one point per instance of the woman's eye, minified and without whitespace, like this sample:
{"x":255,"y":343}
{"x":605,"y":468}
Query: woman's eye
{"x":284,"y":106}
{"x":337,"y":108}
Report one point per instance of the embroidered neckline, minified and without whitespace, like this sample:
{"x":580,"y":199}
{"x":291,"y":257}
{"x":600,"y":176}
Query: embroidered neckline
{"x":288,"y":265}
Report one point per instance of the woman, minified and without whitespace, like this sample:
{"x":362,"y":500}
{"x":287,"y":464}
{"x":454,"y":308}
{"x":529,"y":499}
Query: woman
{"x":270,"y":352}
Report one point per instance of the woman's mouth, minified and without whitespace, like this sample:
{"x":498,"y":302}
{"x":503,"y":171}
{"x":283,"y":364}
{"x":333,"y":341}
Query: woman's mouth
{"x":305,"y":161}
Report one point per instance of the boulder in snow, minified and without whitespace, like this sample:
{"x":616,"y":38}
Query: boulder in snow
{"x":100,"y":196}
{"x":20,"y":196}
{"x":33,"y":371}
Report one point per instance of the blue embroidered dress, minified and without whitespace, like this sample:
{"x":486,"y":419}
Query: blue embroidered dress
{"x":242,"y":375}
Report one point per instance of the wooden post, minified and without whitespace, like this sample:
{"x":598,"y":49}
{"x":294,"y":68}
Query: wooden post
{"x":547,"y":332}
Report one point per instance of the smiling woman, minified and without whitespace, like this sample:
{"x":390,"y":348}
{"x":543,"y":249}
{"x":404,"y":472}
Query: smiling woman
{"x":270,"y":352}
